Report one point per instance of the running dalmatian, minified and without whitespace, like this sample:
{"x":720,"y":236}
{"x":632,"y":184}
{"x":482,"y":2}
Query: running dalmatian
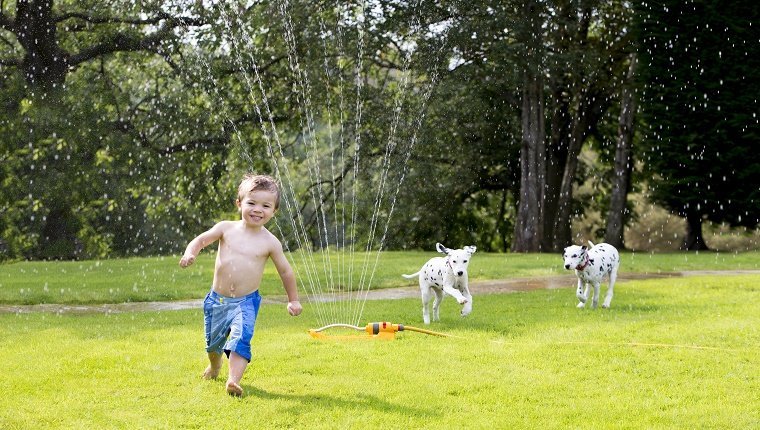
{"x":445,"y":275}
{"x":591,"y":265}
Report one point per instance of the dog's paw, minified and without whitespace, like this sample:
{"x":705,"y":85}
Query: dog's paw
{"x":581,"y":305}
{"x":606,"y":306}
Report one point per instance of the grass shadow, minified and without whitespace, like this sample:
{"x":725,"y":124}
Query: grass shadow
{"x":325,"y":402}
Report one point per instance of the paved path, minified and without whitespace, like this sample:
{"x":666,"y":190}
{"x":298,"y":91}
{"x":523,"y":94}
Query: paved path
{"x":476,"y":287}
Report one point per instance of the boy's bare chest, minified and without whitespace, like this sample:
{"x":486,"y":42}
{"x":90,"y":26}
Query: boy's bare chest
{"x":249,"y":249}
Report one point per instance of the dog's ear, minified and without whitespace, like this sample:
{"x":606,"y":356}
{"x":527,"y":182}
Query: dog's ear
{"x":442,"y":249}
{"x":470,"y":249}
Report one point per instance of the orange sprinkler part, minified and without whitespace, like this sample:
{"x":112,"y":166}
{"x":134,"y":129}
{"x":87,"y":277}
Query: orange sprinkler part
{"x":376,"y":330}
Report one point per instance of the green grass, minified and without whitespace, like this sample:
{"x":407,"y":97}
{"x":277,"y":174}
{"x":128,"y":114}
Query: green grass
{"x":160,"y":278}
{"x":523,"y":360}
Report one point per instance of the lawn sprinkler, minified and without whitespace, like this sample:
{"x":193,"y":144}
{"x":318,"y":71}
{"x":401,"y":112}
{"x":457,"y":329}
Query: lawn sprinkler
{"x":376,"y":330}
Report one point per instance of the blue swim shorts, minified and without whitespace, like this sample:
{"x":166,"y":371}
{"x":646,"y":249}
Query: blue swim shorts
{"x":229,"y":322}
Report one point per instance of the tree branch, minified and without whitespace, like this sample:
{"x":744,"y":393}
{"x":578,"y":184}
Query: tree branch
{"x":110,"y":19}
{"x":121,"y":42}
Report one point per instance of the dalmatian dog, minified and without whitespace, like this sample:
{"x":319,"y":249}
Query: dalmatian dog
{"x":445,"y":275}
{"x":591,"y":265}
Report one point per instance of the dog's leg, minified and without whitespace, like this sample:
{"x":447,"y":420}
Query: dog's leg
{"x":608,"y":297}
{"x":595,"y":299}
{"x":437,"y":304}
{"x":580,"y":295}
{"x":467,"y":308}
{"x":453,"y":292}
{"x":425,"y":301}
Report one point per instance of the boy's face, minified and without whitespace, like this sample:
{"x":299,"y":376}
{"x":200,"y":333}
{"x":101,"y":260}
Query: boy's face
{"x":257,"y":207}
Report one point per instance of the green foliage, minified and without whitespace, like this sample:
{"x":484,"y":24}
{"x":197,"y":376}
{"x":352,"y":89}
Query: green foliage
{"x":138,"y":148}
{"x":701,"y":70}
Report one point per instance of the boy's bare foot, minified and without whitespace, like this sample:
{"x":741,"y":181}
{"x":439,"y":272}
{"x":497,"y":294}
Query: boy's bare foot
{"x":234,"y":389}
{"x":210,"y":373}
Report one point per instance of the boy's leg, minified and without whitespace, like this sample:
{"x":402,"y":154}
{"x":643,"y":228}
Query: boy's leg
{"x":237,"y":368}
{"x":215,"y":364}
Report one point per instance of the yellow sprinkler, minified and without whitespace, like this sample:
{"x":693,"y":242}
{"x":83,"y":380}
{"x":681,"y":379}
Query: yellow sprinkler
{"x":376,"y":330}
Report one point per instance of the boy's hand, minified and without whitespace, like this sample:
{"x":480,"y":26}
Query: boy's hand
{"x":294,"y":308}
{"x":187,"y":260}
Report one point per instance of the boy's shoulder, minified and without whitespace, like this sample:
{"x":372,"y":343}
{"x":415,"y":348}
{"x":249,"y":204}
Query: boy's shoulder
{"x":226,"y":225}
{"x":269,"y":235}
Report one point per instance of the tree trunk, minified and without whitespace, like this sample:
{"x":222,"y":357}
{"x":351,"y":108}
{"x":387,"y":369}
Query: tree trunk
{"x":616,"y":217}
{"x":562,"y":234}
{"x":556,"y":158}
{"x":45,"y":63}
{"x":59,"y":236}
{"x":694,"y":240}
{"x":529,"y":223}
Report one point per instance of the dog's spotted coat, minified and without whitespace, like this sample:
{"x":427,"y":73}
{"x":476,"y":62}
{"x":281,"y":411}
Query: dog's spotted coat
{"x":445,"y":275}
{"x":591,"y":265}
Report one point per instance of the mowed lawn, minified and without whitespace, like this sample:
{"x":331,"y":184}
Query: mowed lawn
{"x":670,"y":353}
{"x":160,"y":278}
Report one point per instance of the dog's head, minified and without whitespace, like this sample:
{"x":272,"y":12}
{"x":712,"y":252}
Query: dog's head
{"x":457,"y":259}
{"x":574,"y":256}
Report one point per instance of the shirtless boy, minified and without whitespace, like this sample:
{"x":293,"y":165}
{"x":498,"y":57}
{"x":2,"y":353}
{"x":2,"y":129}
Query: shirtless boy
{"x":231,"y":307}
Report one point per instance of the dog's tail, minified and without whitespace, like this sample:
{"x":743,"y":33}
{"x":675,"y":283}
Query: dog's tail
{"x":412,"y":275}
{"x":590,"y":244}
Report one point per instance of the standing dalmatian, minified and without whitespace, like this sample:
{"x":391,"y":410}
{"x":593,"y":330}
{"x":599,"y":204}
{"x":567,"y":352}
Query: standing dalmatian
{"x":591,"y":265}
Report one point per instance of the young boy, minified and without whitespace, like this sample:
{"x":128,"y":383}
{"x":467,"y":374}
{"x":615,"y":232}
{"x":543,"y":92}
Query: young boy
{"x":231,"y":307}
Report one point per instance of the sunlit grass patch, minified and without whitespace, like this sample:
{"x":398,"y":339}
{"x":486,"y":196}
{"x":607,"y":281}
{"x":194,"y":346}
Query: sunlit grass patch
{"x":519,"y":360}
{"x":161,"y":278}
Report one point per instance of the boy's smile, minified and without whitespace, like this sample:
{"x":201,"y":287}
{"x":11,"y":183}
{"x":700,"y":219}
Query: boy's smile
{"x":258,"y":207}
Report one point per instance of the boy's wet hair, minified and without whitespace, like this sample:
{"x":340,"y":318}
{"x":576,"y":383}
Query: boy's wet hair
{"x":253,"y":182}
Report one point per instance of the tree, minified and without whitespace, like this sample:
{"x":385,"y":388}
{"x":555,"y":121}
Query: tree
{"x":114,"y":130}
{"x":623,"y":164}
{"x":45,"y":62}
{"x":555,"y":68}
{"x":701,"y":68}
{"x":589,"y":45}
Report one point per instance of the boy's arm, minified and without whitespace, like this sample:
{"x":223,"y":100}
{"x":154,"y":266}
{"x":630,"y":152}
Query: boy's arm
{"x":201,"y":241}
{"x":288,"y":278}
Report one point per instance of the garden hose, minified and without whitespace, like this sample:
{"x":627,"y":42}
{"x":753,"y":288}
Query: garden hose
{"x":375,"y":330}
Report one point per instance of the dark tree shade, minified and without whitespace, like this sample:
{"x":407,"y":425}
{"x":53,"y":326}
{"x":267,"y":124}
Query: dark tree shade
{"x":701,"y":70}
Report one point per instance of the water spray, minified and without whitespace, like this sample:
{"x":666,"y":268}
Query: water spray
{"x":376,"y":330}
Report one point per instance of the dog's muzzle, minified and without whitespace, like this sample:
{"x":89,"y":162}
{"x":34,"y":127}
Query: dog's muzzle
{"x":567,"y":266}
{"x":460,"y":273}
